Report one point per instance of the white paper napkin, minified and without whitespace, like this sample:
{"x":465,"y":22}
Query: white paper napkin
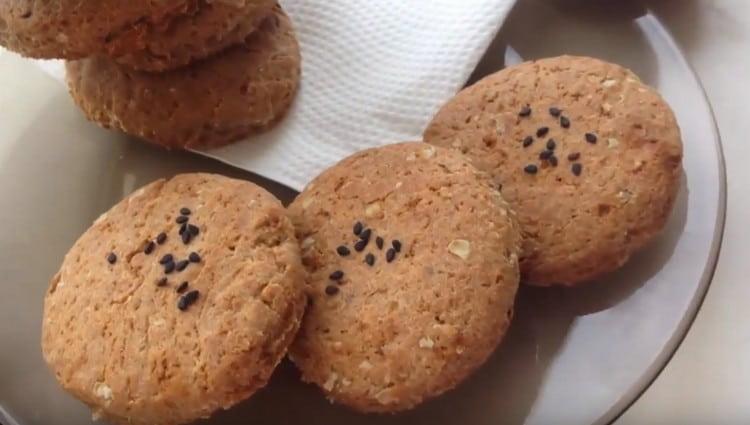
{"x":374,"y":72}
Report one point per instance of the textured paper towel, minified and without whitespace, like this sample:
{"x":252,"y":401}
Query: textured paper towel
{"x":374,"y":72}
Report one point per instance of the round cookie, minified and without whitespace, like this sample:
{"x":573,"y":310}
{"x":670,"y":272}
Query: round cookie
{"x":587,"y":155}
{"x":242,"y":90}
{"x":412,"y":260}
{"x":158,"y":35}
{"x":149,"y":324}
{"x":200,"y":36}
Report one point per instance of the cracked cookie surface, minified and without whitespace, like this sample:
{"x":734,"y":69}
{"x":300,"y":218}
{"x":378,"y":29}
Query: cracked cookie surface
{"x":412,"y":260}
{"x":149,"y":326}
{"x":587,"y":155}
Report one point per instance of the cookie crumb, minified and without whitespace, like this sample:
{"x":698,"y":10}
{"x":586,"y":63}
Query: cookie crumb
{"x":609,"y":83}
{"x":307,"y":202}
{"x":307,"y":243}
{"x":331,"y":382}
{"x":365,"y":365}
{"x":612,"y":143}
{"x":428,"y":152}
{"x":374,"y":210}
{"x":426,"y":343}
{"x":460,"y":248}
{"x":103,"y":391}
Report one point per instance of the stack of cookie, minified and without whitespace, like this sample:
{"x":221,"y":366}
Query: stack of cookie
{"x":184,"y":297}
{"x":178,"y":73}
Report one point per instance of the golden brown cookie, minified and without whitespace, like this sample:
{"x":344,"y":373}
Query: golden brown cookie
{"x":587,"y":155}
{"x":210,"y":103}
{"x":156,"y":35}
{"x":412,"y":259}
{"x":179,"y":301}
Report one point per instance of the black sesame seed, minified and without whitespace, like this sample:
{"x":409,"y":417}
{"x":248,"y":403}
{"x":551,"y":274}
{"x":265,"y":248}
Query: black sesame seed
{"x":564,"y":122}
{"x":161,"y":238}
{"x":528,"y":141}
{"x":149,"y":248}
{"x":530,"y":169}
{"x":358,"y":228}
{"x":194,"y":257}
{"x":370,"y":260}
{"x":365,"y":235}
{"x":337,"y":275}
{"x":182,"y":288}
{"x":162,"y":282}
{"x":555,"y":112}
{"x":551,"y":144}
{"x":111,"y":258}
{"x":543,"y":155}
{"x":577,"y":168}
{"x":181,"y":265}
{"x":186,"y":237}
{"x":194,"y":230}
{"x":332,"y":290}
{"x":187,"y":300}
{"x":574,"y":156}
{"x":553,"y":161}
{"x":183,"y":228}
{"x":185,"y":211}
{"x":361,"y":245}
{"x":591,"y":138}
{"x":169,"y":258}
{"x":169,"y":267}
{"x":542,"y":131}
{"x":525,"y":111}
{"x":396,"y":245}
{"x":343,"y":251}
{"x":379,"y":242}
{"x":390,"y":255}
{"x":182,"y":219}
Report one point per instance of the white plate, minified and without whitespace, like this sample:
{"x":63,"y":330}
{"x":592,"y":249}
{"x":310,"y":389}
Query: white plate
{"x":572,"y":356}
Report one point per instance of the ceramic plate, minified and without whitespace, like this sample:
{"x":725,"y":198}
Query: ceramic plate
{"x":576,"y":356}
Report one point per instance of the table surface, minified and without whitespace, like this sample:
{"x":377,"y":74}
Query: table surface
{"x":707,"y":381}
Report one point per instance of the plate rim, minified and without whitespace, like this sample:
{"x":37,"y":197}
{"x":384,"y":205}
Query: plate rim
{"x":652,"y":373}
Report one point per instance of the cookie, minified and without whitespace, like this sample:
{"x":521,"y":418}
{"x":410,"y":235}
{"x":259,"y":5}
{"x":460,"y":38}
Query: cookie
{"x":179,"y":301}
{"x":412,"y":260}
{"x":200,"y":36}
{"x":586,"y":154}
{"x":240,"y":91}
{"x":156,"y":35}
